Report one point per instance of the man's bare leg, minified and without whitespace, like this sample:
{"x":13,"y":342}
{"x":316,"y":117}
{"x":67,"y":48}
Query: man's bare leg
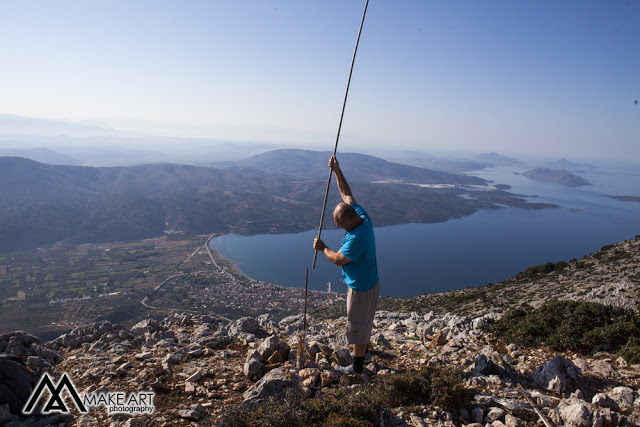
{"x":359,"y":350}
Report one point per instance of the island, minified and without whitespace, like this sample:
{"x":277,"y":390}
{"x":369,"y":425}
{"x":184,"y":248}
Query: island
{"x":624,"y":198}
{"x":558,"y":176}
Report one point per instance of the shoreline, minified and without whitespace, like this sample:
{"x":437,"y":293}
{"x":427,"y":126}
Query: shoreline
{"x":236,"y":269}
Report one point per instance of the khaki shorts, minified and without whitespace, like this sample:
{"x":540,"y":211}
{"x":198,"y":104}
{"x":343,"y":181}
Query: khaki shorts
{"x":361,"y":309}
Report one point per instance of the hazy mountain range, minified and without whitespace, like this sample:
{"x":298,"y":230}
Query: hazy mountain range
{"x":281,"y":191}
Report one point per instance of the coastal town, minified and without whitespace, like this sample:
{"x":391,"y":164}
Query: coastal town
{"x":48,"y":291}
{"x":221,"y":289}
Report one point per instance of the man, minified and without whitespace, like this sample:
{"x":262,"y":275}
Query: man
{"x":357,"y":257}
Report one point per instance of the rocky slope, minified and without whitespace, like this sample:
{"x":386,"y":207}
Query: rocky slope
{"x":201,"y":366}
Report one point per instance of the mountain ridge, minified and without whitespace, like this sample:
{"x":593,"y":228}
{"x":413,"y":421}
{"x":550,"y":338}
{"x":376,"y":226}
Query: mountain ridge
{"x":361,"y":167}
{"x":44,"y":204}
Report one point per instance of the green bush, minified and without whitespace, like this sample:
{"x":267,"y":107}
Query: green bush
{"x":568,"y":325}
{"x":631,"y":352}
{"x":546,"y":268}
{"x":347,"y":407}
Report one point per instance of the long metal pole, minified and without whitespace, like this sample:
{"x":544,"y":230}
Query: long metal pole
{"x":335,"y":148}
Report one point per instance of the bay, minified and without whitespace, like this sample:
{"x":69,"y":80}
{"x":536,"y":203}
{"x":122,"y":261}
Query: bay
{"x":488,"y":246}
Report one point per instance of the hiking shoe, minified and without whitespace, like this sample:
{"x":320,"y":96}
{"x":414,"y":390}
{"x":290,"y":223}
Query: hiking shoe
{"x":367,"y":356}
{"x":345,"y":370}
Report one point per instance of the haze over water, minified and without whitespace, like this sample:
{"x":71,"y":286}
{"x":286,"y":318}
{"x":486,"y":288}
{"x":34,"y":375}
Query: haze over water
{"x":488,"y":246}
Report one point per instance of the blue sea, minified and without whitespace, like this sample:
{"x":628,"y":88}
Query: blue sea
{"x":486,"y":247}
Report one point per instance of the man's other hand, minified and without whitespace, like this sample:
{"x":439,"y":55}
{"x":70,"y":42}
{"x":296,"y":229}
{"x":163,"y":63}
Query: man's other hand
{"x":333,"y":163}
{"x":318,"y":245}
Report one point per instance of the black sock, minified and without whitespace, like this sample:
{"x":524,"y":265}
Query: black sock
{"x":358,"y":364}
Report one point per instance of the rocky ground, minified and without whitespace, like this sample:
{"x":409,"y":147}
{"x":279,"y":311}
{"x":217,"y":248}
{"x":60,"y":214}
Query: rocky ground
{"x":200,"y":366}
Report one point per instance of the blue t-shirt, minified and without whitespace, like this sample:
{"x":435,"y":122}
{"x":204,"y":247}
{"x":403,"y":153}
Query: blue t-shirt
{"x":359,"y":245}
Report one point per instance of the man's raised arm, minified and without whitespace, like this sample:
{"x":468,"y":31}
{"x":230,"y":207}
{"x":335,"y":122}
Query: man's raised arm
{"x":343,"y":186}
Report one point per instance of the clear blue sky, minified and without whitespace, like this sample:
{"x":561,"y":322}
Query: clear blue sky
{"x":502,"y":75}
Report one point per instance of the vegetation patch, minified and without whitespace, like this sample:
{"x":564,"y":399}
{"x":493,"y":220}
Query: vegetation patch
{"x":570,"y":325}
{"x":547,"y":268}
{"x":347,"y":407}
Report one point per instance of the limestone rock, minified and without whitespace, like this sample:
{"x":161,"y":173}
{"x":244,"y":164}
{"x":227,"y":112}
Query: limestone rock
{"x":575,"y":412}
{"x":148,"y":325}
{"x":268,"y":346}
{"x":604,"y":401}
{"x":511,"y":421}
{"x":275,"y":382}
{"x":606,"y":418}
{"x":247,"y":325}
{"x":559,"y":375}
{"x":623,"y":396}
{"x":490,"y":362}
{"x":494,"y":415}
{"x":603,"y":369}
{"x":267,"y":320}
{"x":342,"y":357}
{"x":253,"y":366}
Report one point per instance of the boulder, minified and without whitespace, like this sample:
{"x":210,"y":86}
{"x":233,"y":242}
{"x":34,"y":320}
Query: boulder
{"x":604,"y":369}
{"x":246,"y":325}
{"x":490,"y":362}
{"x":267,"y":320}
{"x":575,"y":412}
{"x":253,"y":365}
{"x":178,"y":319}
{"x":511,"y":421}
{"x":16,"y":382}
{"x":268,"y":346}
{"x":274,"y":383}
{"x":604,"y":401}
{"x":623,"y":396}
{"x":494,"y":414}
{"x":605,"y":418}
{"x":380,"y":340}
{"x":294,"y":324}
{"x":170,"y":360}
{"x":342,"y":357}
{"x":24,"y":345}
{"x":559,"y":375}
{"x":148,"y":325}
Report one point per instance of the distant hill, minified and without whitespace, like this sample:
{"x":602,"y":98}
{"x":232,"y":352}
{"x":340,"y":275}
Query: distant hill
{"x":566,"y":164}
{"x":19,"y":125}
{"x":43,"y":204}
{"x":453,"y":164}
{"x":357,"y":167}
{"x":498,"y":159}
{"x":563,"y":164}
{"x":558,"y":176}
{"x":42,"y":155}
